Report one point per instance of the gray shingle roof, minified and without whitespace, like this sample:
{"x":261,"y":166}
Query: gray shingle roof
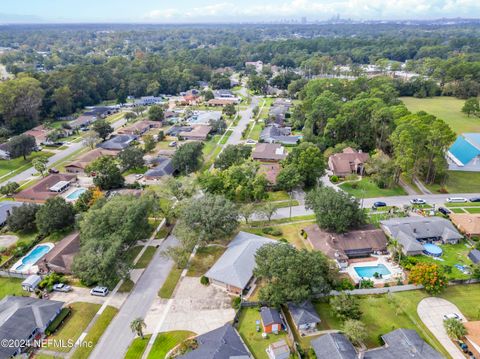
{"x":403,"y":343}
{"x":20,"y":316}
{"x":164,"y":167}
{"x":303,"y":313}
{"x":422,"y":227}
{"x":474,"y":255}
{"x":333,"y":346}
{"x":278,"y":134}
{"x":235,"y":266}
{"x":221,"y":343}
{"x":119,"y":142}
{"x":270,"y":316}
{"x":6,"y":208}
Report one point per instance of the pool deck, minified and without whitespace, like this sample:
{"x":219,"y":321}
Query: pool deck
{"x":394,"y":269}
{"x":30,"y":268}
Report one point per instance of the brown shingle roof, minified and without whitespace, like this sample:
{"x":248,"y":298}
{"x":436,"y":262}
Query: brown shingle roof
{"x":269,"y":152}
{"x":40,"y":191}
{"x":139,"y":127}
{"x":221,"y":101}
{"x":82,"y":161}
{"x":60,"y":258}
{"x":40,"y":133}
{"x":199,"y":132}
{"x":467,"y":223}
{"x":336,"y":245}
{"x":345,"y":162}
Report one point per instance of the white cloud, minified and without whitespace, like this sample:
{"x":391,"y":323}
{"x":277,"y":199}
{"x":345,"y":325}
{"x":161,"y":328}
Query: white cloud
{"x":317,"y":9}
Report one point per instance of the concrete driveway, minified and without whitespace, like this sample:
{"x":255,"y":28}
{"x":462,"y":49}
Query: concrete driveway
{"x":79,"y":294}
{"x":431,"y":311}
{"x":195,"y":307}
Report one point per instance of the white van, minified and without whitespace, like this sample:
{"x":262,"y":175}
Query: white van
{"x":99,"y":291}
{"x":456,"y":200}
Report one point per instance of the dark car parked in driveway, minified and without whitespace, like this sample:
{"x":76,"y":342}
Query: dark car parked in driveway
{"x":475,"y":199}
{"x":379,"y":204}
{"x":444,"y":211}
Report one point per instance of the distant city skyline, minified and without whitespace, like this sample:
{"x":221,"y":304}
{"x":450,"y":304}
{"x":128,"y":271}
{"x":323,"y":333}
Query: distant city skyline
{"x":188,"y":11}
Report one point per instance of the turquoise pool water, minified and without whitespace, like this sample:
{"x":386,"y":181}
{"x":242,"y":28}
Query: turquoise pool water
{"x":32,"y":257}
{"x":75,"y":194}
{"x":369,"y":271}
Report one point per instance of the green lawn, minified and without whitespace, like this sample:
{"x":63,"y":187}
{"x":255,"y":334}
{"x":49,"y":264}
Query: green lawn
{"x":446,"y":108}
{"x":225,"y":137}
{"x":253,"y":339}
{"x":11,"y":286}
{"x":204,"y":259}
{"x":452,"y":254}
{"x":138,"y":346}
{"x":256,"y":130}
{"x":367,"y":189}
{"x":126,"y":286}
{"x":146,"y":257}
{"x":132,"y":253}
{"x":210,"y":145}
{"x":18,"y":164}
{"x":473,"y":210}
{"x":170,"y":283}
{"x":166,"y":342}
{"x":81,"y":316}
{"x":95,"y":332}
{"x":278,"y":196}
{"x":290,"y":231}
{"x":460,"y":182}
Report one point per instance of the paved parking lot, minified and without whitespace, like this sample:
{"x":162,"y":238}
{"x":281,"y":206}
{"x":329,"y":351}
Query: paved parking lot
{"x":431,"y":311}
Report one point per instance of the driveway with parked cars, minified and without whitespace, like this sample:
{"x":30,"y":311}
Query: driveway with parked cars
{"x":433,"y":311}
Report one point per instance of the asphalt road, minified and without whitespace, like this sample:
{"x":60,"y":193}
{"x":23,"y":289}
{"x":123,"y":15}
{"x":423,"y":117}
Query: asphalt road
{"x":25,"y":175}
{"x":246,"y":115}
{"x":118,"y":336}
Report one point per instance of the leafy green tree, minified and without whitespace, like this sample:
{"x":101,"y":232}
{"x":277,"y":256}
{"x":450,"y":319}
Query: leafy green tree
{"x":131,"y":157}
{"x":107,"y":230}
{"x":21,"y":145}
{"x":345,"y":306}
{"x":298,"y":276}
{"x":40,"y":165}
{"x":471,"y":107}
{"x":54,"y":215}
{"x":335,"y":211}
{"x":209,"y":218}
{"x":137,"y":325}
{"x":90,"y":139}
{"x":268,"y":210}
{"x":355,"y":331}
{"x":107,"y":175}
{"x":307,"y":159}
{"x":381,"y":169}
{"x":455,"y":328}
{"x":247,"y":211}
{"x":288,"y":179}
{"x":229,"y":110}
{"x":258,"y":84}
{"x":148,"y":143}
{"x":188,"y":157}
{"x":155,"y":113}
{"x":232,"y":155}
{"x":208,"y":95}
{"x":218,"y":126}
{"x":9,"y":189}
{"x":103,"y":128}
{"x":23,"y":217}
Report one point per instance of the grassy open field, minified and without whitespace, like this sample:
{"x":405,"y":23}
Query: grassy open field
{"x":459,"y":182}
{"x":9,"y":168}
{"x":367,"y":189}
{"x":11,"y":286}
{"x":446,"y":108}
{"x":167,"y":341}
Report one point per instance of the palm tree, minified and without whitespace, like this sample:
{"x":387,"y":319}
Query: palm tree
{"x":137,"y":325}
{"x":455,"y":328}
{"x":396,"y":249}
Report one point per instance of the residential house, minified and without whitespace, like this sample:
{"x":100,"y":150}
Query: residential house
{"x":347,"y":162}
{"x":474,"y":256}
{"x":60,"y":258}
{"x":223,"y":94}
{"x":400,"y":343}
{"x":278,"y":111}
{"x":22,"y":319}
{"x":270,"y":171}
{"x":469,"y":224}
{"x":40,"y":134}
{"x":139,"y":128}
{"x":31,"y":283}
{"x":4,"y":151}
{"x":48,"y":187}
{"x":191,"y":97}
{"x":413,"y":232}
{"x":118,"y":142}
{"x":148,"y":101}
{"x":6,"y":209}
{"x":82,"y":121}
{"x":353,"y":244}
{"x":274,"y":134}
{"x":198,"y":133}
{"x":234,"y":269}
{"x":304,"y":316}
{"x":176,"y":130}
{"x":101,"y":111}
{"x":163,"y":167}
{"x":278,"y":350}
{"x":464,"y":154}
{"x":221,"y":343}
{"x":271,"y":320}
{"x":222,"y":102}
{"x":79,"y":165}
{"x":204,"y":117}
{"x":258,"y":65}
{"x":271,"y":152}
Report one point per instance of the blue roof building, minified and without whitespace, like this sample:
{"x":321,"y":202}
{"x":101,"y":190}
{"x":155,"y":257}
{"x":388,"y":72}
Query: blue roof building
{"x":464,"y":154}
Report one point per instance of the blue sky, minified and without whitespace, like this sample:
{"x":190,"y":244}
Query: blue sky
{"x":228,"y":11}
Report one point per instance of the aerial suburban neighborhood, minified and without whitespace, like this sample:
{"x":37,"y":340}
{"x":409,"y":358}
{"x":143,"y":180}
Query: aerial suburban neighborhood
{"x":266,"y":189}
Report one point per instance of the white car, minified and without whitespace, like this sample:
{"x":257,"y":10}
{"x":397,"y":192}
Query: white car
{"x":457,"y":200}
{"x":61,"y":287}
{"x":452,"y":316}
{"x":417,"y":201}
{"x":99,"y":291}
{"x":139,"y":176}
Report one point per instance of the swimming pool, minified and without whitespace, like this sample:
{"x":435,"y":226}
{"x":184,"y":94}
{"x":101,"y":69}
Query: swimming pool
{"x":32,"y":257}
{"x":369,"y":271}
{"x":73,"y":196}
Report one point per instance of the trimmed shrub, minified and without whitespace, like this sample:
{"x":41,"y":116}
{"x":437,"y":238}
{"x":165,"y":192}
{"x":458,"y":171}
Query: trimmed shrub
{"x":204,"y":280}
{"x":236,"y":302}
{"x":334,"y":179}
